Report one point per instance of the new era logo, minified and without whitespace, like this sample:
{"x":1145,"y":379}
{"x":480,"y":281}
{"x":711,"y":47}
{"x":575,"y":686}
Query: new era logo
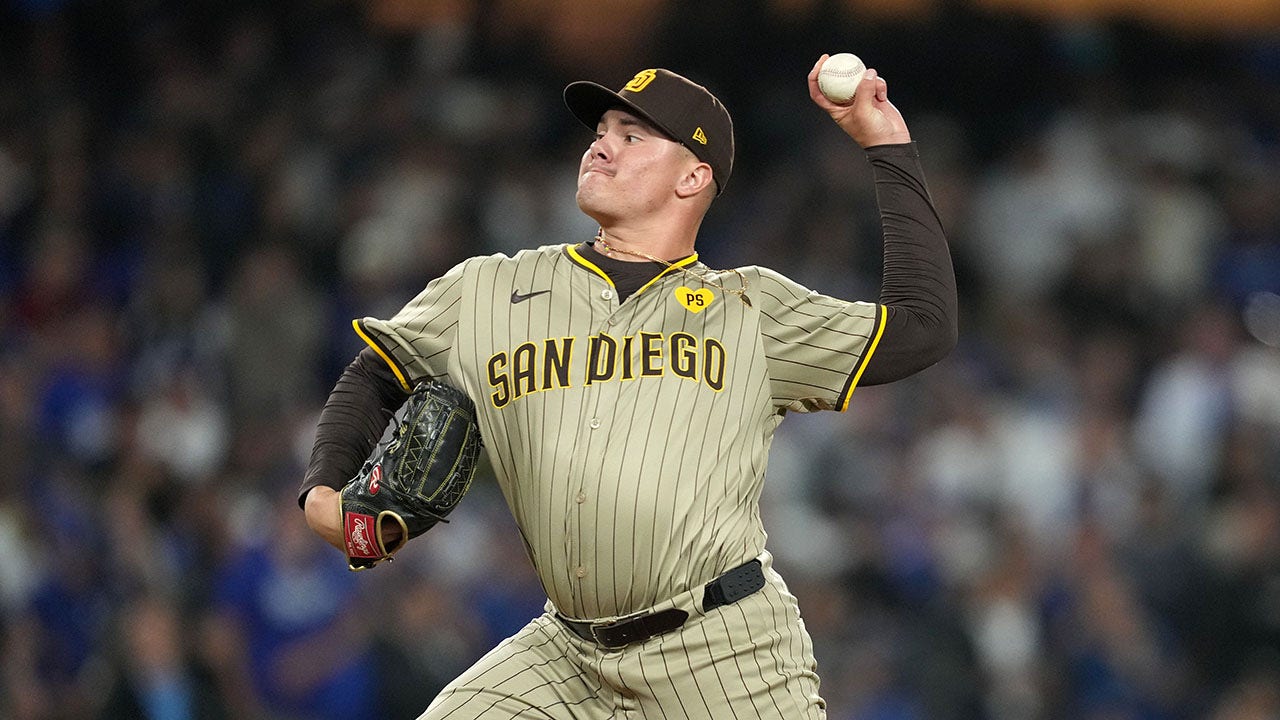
{"x":700,"y":136}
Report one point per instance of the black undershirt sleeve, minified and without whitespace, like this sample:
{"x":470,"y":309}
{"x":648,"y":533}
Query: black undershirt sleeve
{"x":351,"y":423}
{"x":918,"y":286}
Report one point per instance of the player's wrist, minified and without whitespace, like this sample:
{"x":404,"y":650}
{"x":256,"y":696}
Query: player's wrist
{"x":893,"y":147}
{"x":323,"y":511}
{"x":896,"y":137}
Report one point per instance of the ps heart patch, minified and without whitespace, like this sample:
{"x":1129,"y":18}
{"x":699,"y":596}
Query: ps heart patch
{"x":695,"y":301}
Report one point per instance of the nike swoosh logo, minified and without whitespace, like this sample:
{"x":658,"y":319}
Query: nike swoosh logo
{"x":517,"y":297}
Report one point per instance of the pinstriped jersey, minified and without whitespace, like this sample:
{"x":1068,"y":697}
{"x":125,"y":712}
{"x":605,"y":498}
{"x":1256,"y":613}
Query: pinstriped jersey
{"x":629,"y":439}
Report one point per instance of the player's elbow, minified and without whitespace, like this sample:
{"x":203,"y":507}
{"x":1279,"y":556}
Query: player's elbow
{"x":945,"y":336}
{"x":936,"y":330}
{"x":931,"y":353}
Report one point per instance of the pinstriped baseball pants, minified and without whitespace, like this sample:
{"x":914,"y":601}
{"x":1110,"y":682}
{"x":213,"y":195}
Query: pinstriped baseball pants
{"x":752,"y":659}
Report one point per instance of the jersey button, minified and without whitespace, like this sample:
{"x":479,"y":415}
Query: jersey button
{"x":582,"y":497}
{"x":595,"y":423}
{"x":581,"y":572}
{"x":607,"y":294}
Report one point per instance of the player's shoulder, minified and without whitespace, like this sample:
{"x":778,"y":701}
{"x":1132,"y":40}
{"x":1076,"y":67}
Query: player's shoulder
{"x":748,"y":270}
{"x":522,"y":256}
{"x":774,"y":288}
{"x":497,"y":262}
{"x":759,"y":275}
{"x":766,"y":273}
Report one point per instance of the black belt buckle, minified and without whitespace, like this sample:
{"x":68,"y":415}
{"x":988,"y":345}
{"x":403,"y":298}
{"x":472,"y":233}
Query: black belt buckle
{"x":732,"y":586}
{"x":619,"y":633}
{"x":615,"y":634}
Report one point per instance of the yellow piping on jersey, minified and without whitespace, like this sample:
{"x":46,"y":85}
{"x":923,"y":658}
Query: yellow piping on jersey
{"x":386,"y":358}
{"x":673,"y":266}
{"x":573,"y":253}
{"x":882,"y":311}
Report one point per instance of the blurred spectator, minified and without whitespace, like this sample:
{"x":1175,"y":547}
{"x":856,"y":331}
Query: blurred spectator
{"x":1053,"y":196}
{"x":287,"y":634}
{"x":1179,"y":227}
{"x":55,"y":637}
{"x":182,"y":427}
{"x":157,"y":677}
{"x":1185,"y":409}
{"x":427,"y":638}
{"x":273,"y":333}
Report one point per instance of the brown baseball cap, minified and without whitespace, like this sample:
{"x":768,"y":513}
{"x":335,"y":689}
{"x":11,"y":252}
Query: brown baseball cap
{"x":687,"y":112}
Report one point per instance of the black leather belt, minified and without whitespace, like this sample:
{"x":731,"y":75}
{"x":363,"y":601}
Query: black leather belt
{"x":613,"y":634}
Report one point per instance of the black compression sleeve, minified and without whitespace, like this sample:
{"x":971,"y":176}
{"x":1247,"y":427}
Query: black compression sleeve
{"x":918,"y":285}
{"x":351,"y":423}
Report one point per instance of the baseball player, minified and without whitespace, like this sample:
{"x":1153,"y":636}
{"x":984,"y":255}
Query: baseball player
{"x":627,"y":395}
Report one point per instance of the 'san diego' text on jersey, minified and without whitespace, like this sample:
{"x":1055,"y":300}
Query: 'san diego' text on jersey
{"x":532,"y":367}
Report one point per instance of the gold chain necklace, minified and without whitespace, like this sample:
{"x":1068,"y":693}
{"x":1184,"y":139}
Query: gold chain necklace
{"x":699,"y":276}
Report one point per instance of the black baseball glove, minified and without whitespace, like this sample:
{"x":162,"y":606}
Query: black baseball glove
{"x":416,"y":477}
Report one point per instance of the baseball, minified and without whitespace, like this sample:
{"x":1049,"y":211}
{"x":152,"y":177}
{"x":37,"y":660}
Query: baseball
{"x":839,"y":77}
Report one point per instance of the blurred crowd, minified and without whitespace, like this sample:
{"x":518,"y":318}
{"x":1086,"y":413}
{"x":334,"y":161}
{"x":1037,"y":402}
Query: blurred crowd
{"x":1075,"y":515}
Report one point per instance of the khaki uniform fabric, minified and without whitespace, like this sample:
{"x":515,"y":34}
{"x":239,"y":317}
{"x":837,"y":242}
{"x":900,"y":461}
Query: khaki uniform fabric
{"x":630,"y":441}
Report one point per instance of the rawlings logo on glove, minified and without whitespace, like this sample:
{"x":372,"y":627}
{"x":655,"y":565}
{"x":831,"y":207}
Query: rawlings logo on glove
{"x":360,"y":543}
{"x":416,"y":478}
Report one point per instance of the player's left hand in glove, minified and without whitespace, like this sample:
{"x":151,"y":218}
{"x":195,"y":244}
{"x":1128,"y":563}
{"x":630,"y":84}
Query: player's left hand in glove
{"x":414,"y":479}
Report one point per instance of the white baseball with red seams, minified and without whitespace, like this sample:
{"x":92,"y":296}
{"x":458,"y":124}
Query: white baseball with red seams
{"x":839,"y":76}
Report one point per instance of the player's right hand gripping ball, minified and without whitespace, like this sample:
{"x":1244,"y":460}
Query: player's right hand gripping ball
{"x":414,"y":479}
{"x":839,"y":76}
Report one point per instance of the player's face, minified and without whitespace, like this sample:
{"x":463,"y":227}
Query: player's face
{"x":630,"y":169}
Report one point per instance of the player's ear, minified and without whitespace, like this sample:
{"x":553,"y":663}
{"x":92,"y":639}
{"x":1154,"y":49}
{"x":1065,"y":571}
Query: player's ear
{"x":696,"y":179}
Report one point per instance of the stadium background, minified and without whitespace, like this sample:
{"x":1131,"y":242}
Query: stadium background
{"x":1076,"y":515}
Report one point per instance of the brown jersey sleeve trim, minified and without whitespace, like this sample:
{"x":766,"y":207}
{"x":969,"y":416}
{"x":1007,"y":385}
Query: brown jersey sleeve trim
{"x":847,"y":393}
{"x":386,"y":357}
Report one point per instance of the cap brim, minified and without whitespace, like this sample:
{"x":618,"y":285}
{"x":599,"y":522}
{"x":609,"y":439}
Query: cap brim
{"x":589,"y":101}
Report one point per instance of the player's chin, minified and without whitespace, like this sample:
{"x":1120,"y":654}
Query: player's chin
{"x":591,"y":200}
